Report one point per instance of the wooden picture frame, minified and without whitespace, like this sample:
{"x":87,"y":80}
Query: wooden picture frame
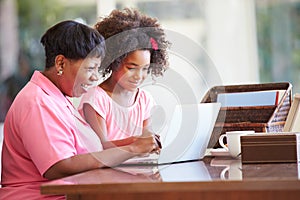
{"x":292,"y":123}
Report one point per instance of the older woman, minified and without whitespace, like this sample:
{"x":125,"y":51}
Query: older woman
{"x":44,"y":136}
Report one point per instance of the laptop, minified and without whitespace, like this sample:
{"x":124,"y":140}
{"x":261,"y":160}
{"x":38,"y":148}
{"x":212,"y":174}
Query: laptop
{"x":187,"y":137}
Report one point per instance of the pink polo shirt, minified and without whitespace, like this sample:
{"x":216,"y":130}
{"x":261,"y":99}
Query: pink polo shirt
{"x":121,"y":122}
{"x":41,"y":128}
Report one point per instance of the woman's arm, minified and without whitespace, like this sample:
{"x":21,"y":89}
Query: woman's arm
{"x":106,"y":158}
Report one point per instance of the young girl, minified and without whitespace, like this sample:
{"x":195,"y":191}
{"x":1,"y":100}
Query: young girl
{"x":117,"y":109}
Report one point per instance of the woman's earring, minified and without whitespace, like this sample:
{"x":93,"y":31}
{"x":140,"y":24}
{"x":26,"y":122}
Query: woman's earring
{"x":60,"y":72}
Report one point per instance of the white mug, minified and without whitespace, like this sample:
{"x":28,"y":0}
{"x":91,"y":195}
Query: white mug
{"x":233,"y":171}
{"x":233,"y":141}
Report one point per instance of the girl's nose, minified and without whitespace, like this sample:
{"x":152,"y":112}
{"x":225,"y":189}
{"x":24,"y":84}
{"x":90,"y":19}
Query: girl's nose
{"x":138,"y":74}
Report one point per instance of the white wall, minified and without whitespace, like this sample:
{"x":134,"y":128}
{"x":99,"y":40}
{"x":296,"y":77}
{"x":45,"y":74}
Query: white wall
{"x":231,"y":39}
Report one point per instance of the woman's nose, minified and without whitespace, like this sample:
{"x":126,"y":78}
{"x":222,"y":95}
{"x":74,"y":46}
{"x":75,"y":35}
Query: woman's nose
{"x":95,"y":76}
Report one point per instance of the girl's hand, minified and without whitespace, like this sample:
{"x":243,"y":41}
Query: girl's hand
{"x":147,"y":133}
{"x":144,"y":144}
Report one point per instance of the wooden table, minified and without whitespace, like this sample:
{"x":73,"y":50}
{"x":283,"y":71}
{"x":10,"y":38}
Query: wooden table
{"x":211,"y":178}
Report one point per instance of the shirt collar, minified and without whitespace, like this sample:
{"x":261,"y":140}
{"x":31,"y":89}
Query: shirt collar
{"x":49,"y":88}
{"x":46,"y":85}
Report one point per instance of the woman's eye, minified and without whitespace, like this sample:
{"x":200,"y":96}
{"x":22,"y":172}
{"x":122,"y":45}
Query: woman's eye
{"x":91,"y":69}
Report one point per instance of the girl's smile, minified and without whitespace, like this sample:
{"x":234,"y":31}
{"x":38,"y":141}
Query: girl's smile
{"x":133,"y":70}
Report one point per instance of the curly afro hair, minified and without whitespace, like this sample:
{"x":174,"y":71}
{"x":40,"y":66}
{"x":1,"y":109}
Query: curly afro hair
{"x":128,"y":30}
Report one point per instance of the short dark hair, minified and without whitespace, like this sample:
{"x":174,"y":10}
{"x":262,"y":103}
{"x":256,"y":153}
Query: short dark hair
{"x":72,"y":39}
{"x":128,"y":30}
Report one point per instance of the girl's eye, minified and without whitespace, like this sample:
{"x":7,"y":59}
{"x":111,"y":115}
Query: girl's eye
{"x":130,"y":68}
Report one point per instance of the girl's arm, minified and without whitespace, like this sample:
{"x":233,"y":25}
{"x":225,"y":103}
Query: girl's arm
{"x":98,"y":124}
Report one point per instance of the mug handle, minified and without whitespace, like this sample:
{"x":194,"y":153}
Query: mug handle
{"x":223,"y":173}
{"x":221,"y":141}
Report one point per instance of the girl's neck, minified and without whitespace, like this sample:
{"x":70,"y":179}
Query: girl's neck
{"x":121,"y":96}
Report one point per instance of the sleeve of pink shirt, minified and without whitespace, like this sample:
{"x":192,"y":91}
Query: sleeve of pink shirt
{"x":98,"y":99}
{"x":47,"y":128}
